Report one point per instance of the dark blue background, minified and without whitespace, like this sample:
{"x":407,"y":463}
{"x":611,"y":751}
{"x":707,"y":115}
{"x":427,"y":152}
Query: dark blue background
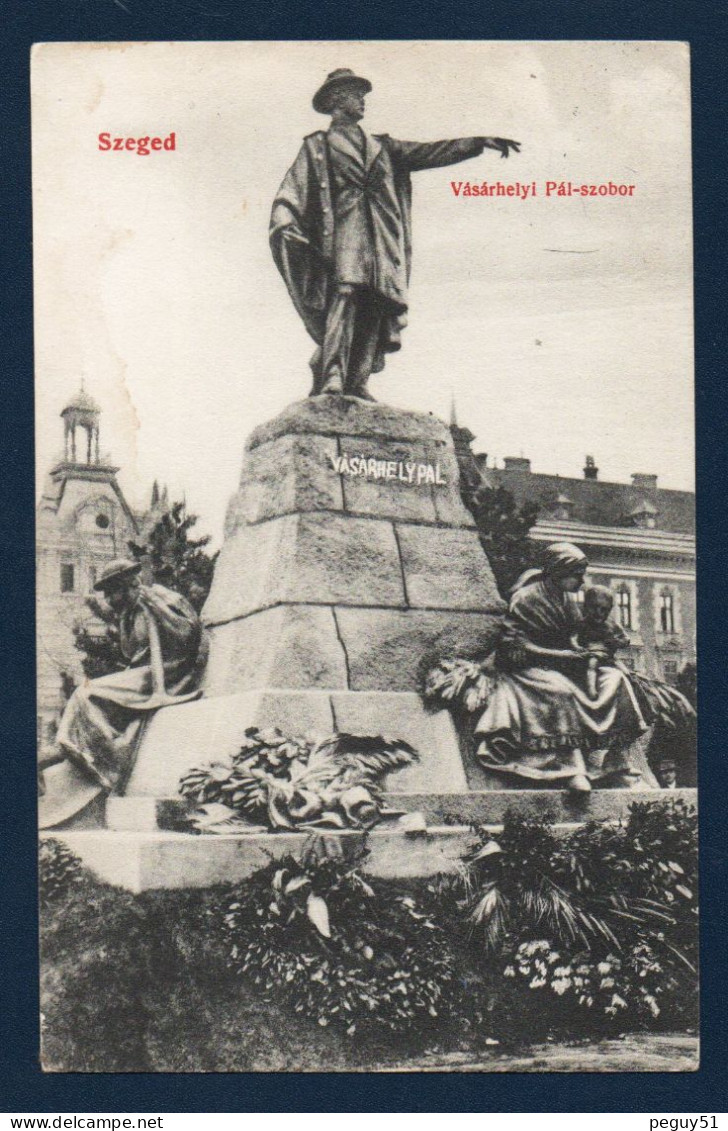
{"x":24,"y":1088}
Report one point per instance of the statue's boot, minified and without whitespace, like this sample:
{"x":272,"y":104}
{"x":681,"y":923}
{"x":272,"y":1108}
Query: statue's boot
{"x":625,"y":779}
{"x":334,"y":386}
{"x":360,"y":391}
{"x":579,"y":783}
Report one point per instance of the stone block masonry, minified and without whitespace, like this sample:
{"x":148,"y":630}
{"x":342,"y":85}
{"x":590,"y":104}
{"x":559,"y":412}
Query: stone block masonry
{"x":334,"y":579}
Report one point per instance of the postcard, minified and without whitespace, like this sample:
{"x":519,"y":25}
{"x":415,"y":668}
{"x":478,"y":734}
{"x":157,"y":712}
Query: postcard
{"x":365,"y":556}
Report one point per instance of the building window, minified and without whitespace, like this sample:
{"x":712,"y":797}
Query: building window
{"x":102,"y":521}
{"x":667,"y":611}
{"x":624,"y":607}
{"x":67,"y":578}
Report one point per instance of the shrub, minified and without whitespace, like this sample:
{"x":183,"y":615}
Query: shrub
{"x":603,"y":920}
{"x":612,"y":986}
{"x":316,"y":935}
{"x":58,"y":870}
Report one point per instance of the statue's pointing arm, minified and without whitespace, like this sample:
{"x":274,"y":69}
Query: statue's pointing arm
{"x":434,"y":154}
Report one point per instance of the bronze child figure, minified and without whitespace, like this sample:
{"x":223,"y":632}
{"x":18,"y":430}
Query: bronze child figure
{"x":598,"y":635}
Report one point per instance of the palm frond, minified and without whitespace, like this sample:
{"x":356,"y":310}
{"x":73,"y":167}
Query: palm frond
{"x":370,"y":757}
{"x":596,"y":926}
{"x":249,"y":792}
{"x":463,"y":683}
{"x":205,"y":783}
{"x":550,"y":906}
{"x":219,"y":819}
{"x":651,"y":909}
{"x":661,"y":702}
{"x":491,"y":915}
{"x":680,"y":956}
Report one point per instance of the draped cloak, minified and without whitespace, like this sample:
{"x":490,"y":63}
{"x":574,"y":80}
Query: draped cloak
{"x":353,"y":208}
{"x":103,"y":718}
{"x":540,"y":712}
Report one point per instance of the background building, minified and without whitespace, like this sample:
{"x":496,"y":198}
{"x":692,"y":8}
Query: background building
{"x":640,"y":540}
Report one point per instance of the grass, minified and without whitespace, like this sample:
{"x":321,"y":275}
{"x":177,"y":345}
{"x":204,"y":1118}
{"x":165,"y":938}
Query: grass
{"x":139,"y":983}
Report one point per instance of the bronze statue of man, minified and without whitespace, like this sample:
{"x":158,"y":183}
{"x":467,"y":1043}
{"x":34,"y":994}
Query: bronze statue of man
{"x":161,"y":639}
{"x":341,"y":234}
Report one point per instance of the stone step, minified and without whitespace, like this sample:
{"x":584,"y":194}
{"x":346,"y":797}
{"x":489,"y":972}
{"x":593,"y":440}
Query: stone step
{"x":142,"y":861}
{"x":479,"y":807}
{"x":138,"y":855}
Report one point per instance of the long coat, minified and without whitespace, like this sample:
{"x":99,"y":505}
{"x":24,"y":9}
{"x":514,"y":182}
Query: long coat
{"x":103,"y":718}
{"x":354,"y":211}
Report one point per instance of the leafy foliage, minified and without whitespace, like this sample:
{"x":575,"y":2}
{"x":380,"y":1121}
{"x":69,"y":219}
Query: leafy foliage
{"x":317,"y":936}
{"x":291,"y":782}
{"x":58,"y":870}
{"x":176,"y":560}
{"x":225,"y":979}
{"x":512,"y":887}
{"x":673,"y":751}
{"x":561,"y":909}
{"x":662,"y":703}
{"x":460,"y":684}
{"x":614,"y":986}
{"x":504,"y":528}
{"x":687,"y":682}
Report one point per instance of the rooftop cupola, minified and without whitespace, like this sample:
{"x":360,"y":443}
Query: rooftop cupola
{"x":81,"y":412}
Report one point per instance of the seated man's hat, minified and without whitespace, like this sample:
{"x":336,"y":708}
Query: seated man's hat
{"x":122,"y":569}
{"x":340,"y":77}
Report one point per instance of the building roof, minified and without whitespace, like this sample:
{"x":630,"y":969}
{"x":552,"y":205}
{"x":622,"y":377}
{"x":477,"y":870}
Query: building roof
{"x":81,"y":402}
{"x":599,"y":503}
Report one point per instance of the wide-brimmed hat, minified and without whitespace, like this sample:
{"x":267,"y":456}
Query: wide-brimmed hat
{"x":122,"y":569}
{"x":340,"y":77}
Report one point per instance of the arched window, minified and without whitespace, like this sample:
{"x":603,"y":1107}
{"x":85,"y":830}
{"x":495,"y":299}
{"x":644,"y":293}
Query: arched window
{"x":624,"y":607}
{"x":667,"y":611}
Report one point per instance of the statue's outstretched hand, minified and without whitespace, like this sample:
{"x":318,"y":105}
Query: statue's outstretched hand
{"x":503,"y":144}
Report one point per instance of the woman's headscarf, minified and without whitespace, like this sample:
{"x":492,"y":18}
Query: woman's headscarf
{"x":560,"y":559}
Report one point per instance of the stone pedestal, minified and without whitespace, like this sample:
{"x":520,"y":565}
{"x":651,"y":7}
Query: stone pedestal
{"x":213,"y":729}
{"x":330,"y":579}
{"x":332,"y":593}
{"x":349,"y":566}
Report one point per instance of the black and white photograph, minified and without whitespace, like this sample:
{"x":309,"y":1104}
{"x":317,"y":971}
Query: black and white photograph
{"x":365,"y":534}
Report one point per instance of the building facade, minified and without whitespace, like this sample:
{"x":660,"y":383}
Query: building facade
{"x":640,"y":541}
{"x":639,"y":538}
